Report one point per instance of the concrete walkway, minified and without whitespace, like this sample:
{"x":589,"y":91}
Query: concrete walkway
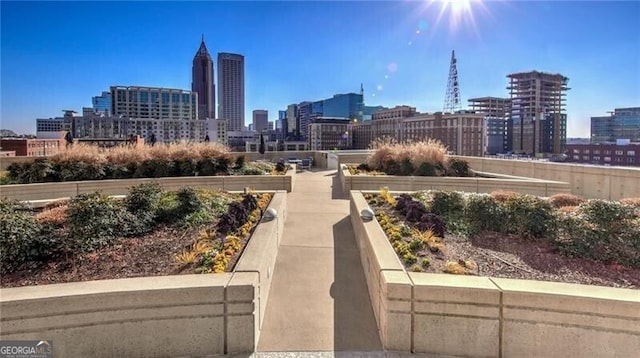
{"x":318,"y":300}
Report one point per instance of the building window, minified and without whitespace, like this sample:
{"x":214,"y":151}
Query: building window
{"x":631,"y":152}
{"x":619,"y":152}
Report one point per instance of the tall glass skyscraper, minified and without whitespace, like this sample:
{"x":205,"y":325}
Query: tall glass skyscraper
{"x":623,"y":123}
{"x":202,"y":82}
{"x":231,"y":89}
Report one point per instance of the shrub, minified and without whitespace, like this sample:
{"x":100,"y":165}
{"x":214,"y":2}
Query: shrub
{"x":18,"y":233}
{"x":608,"y":215}
{"x":482,"y":213}
{"x":635,"y":202}
{"x":96,"y":220}
{"x":502,"y":196}
{"x":76,"y":171}
{"x":239,"y":162}
{"x":39,"y":171}
{"x":562,"y":200}
{"x":16,"y":172}
{"x":530,"y":216}
{"x":401,"y":202}
{"x":414,"y":210}
{"x":580,"y":238}
{"x":188,"y":201}
{"x":280,"y":167}
{"x":185,"y":167}
{"x":432,"y":222}
{"x":426,"y":170}
{"x":447,"y":203}
{"x":143,"y":202}
{"x":458,"y":167}
{"x":155,"y":168}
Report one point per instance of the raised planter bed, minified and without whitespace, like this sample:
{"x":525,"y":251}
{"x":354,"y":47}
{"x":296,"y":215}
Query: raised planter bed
{"x":46,"y":191}
{"x":199,"y":314}
{"x":470,"y":184}
{"x":484,"y":316}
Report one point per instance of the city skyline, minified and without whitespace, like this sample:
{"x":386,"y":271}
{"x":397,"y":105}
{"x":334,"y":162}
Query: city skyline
{"x":299,"y":51}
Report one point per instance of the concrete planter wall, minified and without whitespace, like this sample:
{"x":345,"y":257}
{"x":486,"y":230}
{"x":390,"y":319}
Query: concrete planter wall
{"x":167,"y":316}
{"x":475,"y":184}
{"x":587,"y":181}
{"x":490,"y":317}
{"x":48,"y":191}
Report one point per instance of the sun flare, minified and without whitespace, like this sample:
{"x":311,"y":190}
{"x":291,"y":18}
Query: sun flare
{"x":458,"y":12}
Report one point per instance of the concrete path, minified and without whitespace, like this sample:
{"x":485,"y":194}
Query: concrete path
{"x":319,"y":299}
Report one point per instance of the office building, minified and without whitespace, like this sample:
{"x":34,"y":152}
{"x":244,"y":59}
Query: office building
{"x":292,"y":128}
{"x":202,"y":82}
{"x":55,"y":128}
{"x":216,"y":129}
{"x":349,"y":105}
{"x":231,"y":89}
{"x":622,"y":123}
{"x":260,"y":120}
{"x":102,"y":104}
{"x":327,"y":133}
{"x":538,"y":120}
{"x":496,"y":114}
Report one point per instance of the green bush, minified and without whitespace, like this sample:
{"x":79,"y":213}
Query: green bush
{"x":18,"y":233}
{"x":482,"y":213}
{"x":185,"y":167}
{"x":38,"y":171}
{"x":530,"y":216}
{"x":458,"y":167}
{"x":76,"y":171}
{"x":449,"y":205}
{"x":426,"y":170}
{"x":168,"y":207}
{"x":95,"y":221}
{"x":608,"y":215}
{"x":578,"y":237}
{"x":188,"y":201}
{"x":143,"y":202}
{"x":155,"y":168}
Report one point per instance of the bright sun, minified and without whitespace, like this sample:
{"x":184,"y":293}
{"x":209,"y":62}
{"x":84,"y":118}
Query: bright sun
{"x":457,"y":6}
{"x":459,"y":11}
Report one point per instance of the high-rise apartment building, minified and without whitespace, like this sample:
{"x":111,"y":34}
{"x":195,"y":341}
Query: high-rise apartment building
{"x":231,"y":89}
{"x":260,"y":120}
{"x":153,"y":103}
{"x":166,"y":113}
{"x":622,"y":123}
{"x":496,"y":114}
{"x":538,"y":120}
{"x":202,"y":82}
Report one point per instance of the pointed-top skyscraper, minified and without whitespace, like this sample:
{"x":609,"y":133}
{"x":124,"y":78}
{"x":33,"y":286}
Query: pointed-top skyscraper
{"x":202,"y":82}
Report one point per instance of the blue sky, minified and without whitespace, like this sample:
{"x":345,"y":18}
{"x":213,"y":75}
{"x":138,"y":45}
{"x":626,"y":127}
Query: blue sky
{"x":57,"y":55}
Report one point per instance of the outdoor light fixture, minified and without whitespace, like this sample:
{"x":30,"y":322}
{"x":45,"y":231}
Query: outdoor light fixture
{"x":270,"y":214}
{"x":367,"y":214}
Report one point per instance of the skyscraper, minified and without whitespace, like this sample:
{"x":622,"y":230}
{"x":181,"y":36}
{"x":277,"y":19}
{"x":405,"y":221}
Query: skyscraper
{"x":202,"y":82}
{"x":260,"y":120}
{"x":231,"y":89}
{"x":538,"y":121}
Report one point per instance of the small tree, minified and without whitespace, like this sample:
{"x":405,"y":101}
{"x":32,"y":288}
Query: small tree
{"x":261,"y":148}
{"x":153,"y":139}
{"x":206,"y":139}
{"x":68,"y":138}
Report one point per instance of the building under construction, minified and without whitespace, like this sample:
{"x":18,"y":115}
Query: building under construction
{"x":496,"y":113}
{"x":538,"y":121}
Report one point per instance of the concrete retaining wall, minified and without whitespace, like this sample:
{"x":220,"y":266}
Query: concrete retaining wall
{"x":474,"y":184}
{"x":489,"y":317}
{"x":588,"y":181}
{"x":169,"y":316}
{"x":44,"y":191}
